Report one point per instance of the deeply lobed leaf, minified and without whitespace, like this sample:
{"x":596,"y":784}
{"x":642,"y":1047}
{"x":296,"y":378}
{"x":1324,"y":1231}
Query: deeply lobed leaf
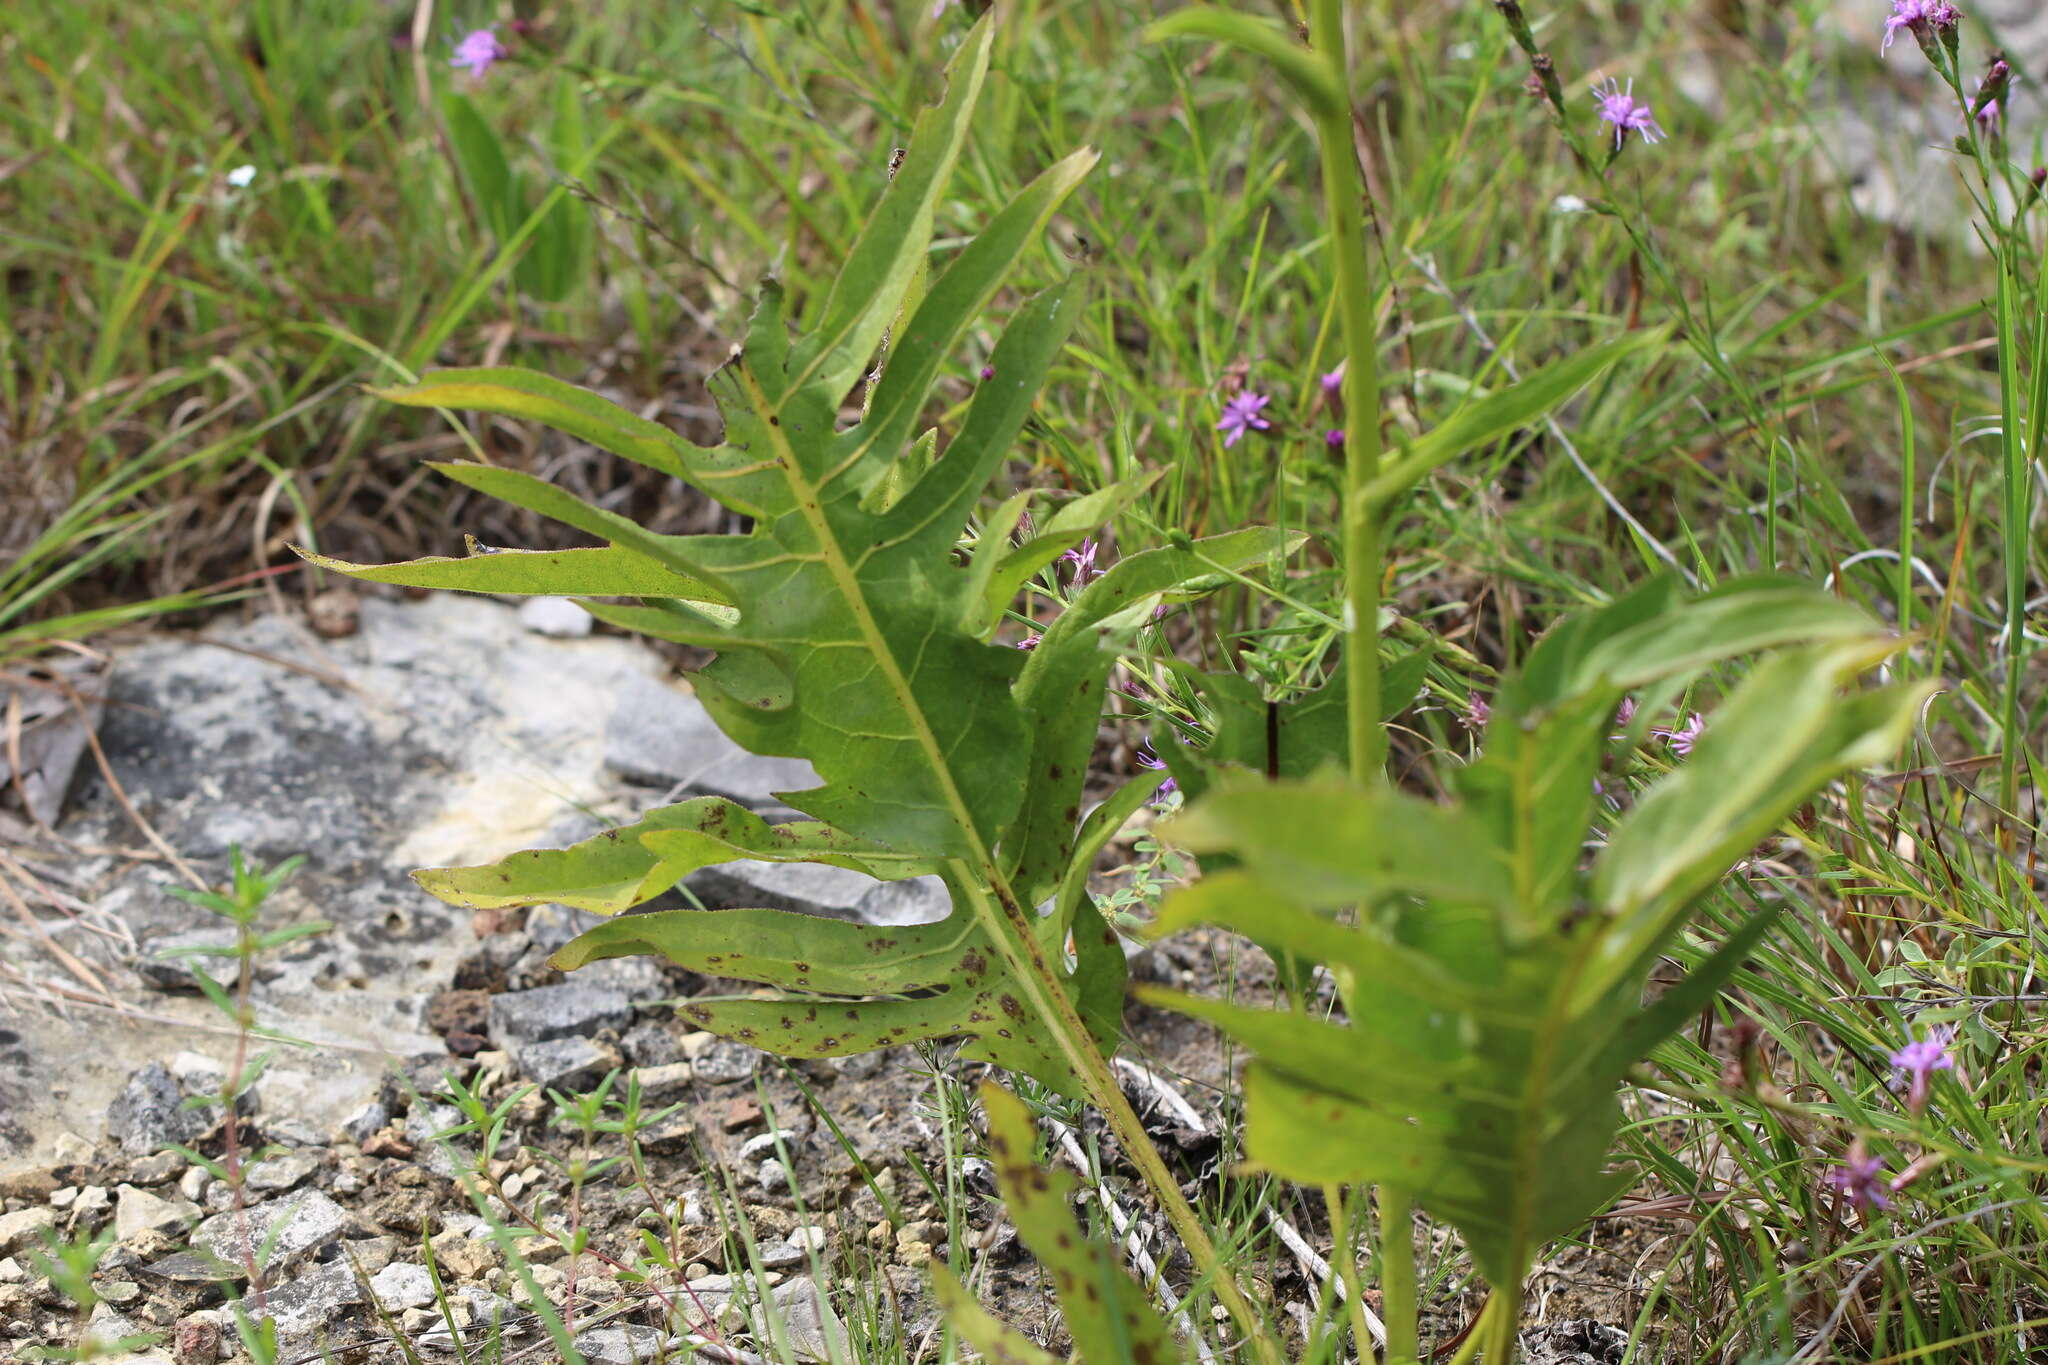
{"x":1492,"y":982}
{"x":847,"y":632}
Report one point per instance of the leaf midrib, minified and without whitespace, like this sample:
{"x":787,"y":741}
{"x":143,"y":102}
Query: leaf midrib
{"x":810,"y":504}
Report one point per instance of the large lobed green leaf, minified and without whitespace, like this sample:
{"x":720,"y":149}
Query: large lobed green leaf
{"x":1491,"y":982}
{"x":848,"y":631}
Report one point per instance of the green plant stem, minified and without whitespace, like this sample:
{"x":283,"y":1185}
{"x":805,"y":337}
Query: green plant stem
{"x":1397,"y":1275}
{"x":1011,"y":926}
{"x":1343,"y":202}
{"x":1345,"y":1254}
{"x":1343,"y":210}
{"x":1504,"y":1311}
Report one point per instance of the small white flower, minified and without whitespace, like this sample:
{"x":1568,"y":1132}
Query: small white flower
{"x":240,"y":176}
{"x":1567,"y":203}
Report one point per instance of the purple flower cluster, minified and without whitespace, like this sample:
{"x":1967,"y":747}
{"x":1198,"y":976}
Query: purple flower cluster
{"x":1916,"y":1063}
{"x":1153,"y":763}
{"x":1861,"y":1180}
{"x":479,"y":51}
{"x":1082,"y":560}
{"x":1241,"y":414}
{"x":1924,"y":19}
{"x":1620,"y":107}
{"x":1685,"y":736}
{"x":1478,"y":711}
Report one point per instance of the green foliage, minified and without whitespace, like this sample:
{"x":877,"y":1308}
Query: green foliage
{"x":849,"y":632}
{"x":1491,"y":982}
{"x":558,"y":240}
{"x":1107,"y":1313}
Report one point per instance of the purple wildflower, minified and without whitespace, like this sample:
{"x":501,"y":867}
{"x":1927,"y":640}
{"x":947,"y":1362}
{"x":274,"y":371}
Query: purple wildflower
{"x":1477,"y":712}
{"x":1082,"y":557}
{"x":988,"y":372}
{"x":1685,"y":736}
{"x":1241,"y":414}
{"x":1152,"y":762}
{"x":1623,"y":717}
{"x":1923,"y":18}
{"x":1916,"y":1063}
{"x":479,"y":50}
{"x":1620,"y":107}
{"x":1860,"y":1178}
{"x":1029,"y":642}
{"x":1334,"y":438}
{"x":1333,"y":381}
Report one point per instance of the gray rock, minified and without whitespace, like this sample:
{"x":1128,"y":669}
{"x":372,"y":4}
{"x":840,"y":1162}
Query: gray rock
{"x":174,"y":974}
{"x":724,"y":1061}
{"x":146,"y":1115}
{"x":293,"y":1132}
{"x":156,"y":1169}
{"x":415,"y":742}
{"x":303,"y":1307}
{"x":621,"y":1345}
{"x":280,"y":1172}
{"x":358,"y":1126}
{"x":445,"y":1157}
{"x":567,"y":1064}
{"x":780,"y":1256}
{"x":641,"y":979}
{"x":555,"y":616}
{"x":551,"y":926}
{"x":201,"y":1077}
{"x":662,"y":736}
{"x":485,"y":1315}
{"x":1575,"y":1341}
{"x":139,"y":1211}
{"x":914,"y":900}
{"x":92,"y":1203}
{"x":107,"y":1328}
{"x":661,"y":1085}
{"x":23,"y":1231}
{"x":565,"y":1011}
{"x":301,"y":1223}
{"x":399,"y":1286}
{"x":808,"y":1323}
{"x":654,"y":1043}
{"x":818,"y":889}
{"x":775,"y":1176}
{"x":764,"y":1144}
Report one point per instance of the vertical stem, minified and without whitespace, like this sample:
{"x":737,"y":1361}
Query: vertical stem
{"x":1345,"y":1255}
{"x":1343,"y":210}
{"x":1505,"y":1313}
{"x":1397,"y":1276}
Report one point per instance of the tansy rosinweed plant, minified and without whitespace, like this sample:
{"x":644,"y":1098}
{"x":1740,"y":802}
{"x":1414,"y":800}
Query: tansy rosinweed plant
{"x":1488,"y":972}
